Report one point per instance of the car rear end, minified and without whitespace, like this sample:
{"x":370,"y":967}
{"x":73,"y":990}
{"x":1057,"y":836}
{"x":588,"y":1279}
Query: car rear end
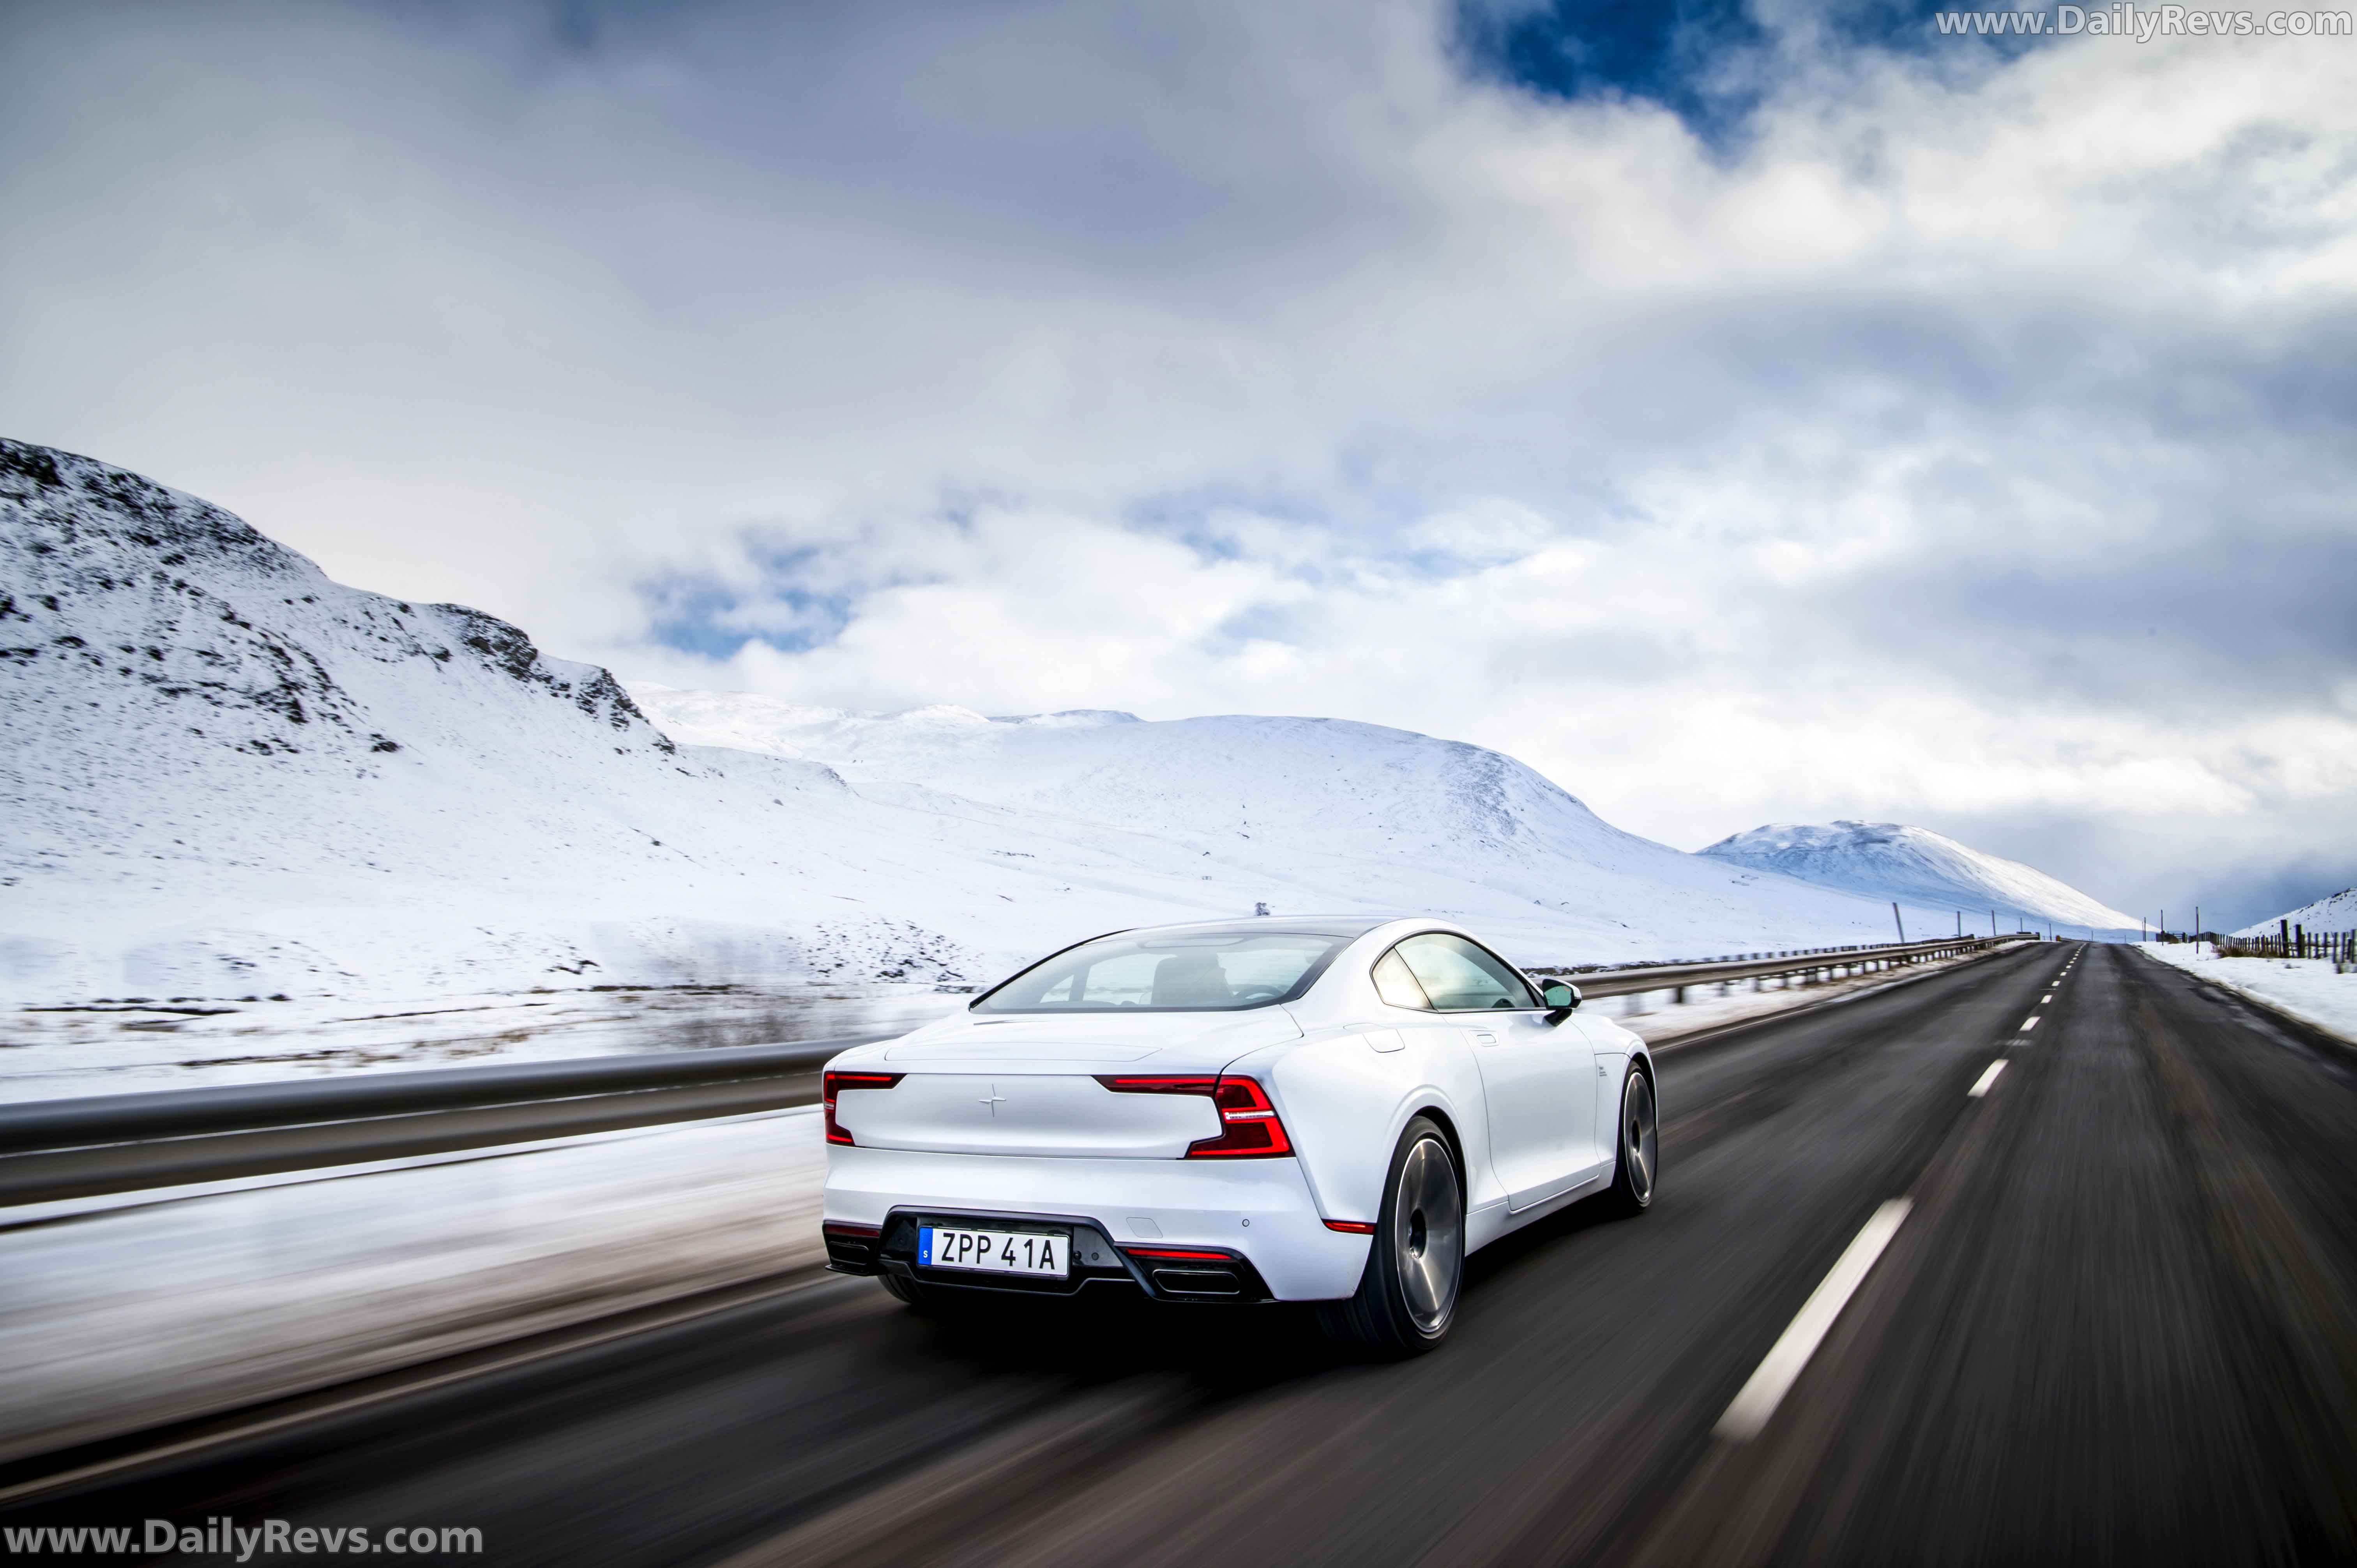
{"x":1170,"y":1176}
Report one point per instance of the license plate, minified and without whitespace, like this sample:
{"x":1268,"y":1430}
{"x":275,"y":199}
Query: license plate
{"x":994,"y":1251}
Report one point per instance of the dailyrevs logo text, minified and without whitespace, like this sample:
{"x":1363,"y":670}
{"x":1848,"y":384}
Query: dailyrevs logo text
{"x":2145,"y":23}
{"x":226,"y":1537}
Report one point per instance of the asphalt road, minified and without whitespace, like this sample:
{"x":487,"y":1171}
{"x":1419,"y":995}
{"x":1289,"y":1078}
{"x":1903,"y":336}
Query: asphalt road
{"x":2117,"y":1325}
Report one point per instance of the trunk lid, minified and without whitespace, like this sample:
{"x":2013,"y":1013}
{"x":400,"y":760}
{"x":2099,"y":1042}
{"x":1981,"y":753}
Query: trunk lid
{"x":1026,"y":1084}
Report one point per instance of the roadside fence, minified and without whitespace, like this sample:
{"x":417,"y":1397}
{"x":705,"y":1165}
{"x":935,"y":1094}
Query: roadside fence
{"x":2289,"y":941}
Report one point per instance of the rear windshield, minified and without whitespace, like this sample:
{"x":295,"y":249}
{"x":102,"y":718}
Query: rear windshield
{"x":1169,"y":972}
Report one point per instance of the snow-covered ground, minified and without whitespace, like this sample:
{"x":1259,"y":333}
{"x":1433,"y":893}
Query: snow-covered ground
{"x":2305,"y":987}
{"x":2338,"y":913}
{"x":226,"y":780}
{"x":1918,"y":866}
{"x":123,"y":1048}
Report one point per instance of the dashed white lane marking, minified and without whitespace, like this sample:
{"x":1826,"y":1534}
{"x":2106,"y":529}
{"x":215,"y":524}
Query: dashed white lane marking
{"x":1758,"y":1399}
{"x":2029,"y":1022}
{"x":2045,"y":999}
{"x":1981,"y":1085}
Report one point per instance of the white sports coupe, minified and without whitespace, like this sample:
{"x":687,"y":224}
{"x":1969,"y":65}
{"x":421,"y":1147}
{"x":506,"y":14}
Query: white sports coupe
{"x":1330,"y":1111}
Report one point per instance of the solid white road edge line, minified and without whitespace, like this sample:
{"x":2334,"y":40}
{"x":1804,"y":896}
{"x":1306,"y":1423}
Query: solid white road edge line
{"x":1758,"y":1399}
{"x":1981,"y":1085}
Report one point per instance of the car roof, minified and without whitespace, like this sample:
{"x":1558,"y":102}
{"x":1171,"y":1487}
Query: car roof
{"x":1294,"y":925}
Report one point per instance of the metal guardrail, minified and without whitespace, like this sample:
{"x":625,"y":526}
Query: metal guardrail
{"x":121,"y":1142}
{"x":1830,"y":961}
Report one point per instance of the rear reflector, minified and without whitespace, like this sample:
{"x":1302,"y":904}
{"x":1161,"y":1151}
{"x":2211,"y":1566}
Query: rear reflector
{"x":851,"y":1232}
{"x":1190,"y":1254}
{"x":1350,"y":1227}
{"x":840,"y":1080}
{"x":1249,"y":1125}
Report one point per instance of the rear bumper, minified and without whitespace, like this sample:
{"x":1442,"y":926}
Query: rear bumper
{"x":1134,"y":1203}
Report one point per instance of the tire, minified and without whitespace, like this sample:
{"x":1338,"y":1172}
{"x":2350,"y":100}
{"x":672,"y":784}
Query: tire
{"x":1637,"y":1162}
{"x":1406,"y":1300}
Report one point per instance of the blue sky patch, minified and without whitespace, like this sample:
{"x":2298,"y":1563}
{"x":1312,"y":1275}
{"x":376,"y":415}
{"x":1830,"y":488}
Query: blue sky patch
{"x":715,"y":620}
{"x":1708,"y":61}
{"x":1685,"y":56}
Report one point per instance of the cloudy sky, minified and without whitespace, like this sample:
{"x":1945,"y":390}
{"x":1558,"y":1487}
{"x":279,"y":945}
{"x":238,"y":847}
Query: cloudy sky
{"x":1741,"y":413}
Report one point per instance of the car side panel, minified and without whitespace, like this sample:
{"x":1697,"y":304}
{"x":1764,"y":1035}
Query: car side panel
{"x":1616,"y":1047}
{"x":1344,"y":1101}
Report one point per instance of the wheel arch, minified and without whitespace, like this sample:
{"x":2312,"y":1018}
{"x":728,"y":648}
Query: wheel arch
{"x":1440,"y":1118}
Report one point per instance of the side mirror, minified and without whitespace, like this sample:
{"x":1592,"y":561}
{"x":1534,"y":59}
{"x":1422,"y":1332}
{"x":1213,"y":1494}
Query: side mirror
{"x":1560,"y":996}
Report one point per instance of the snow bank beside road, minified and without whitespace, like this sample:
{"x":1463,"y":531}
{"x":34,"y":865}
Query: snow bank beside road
{"x":2304,"y":987}
{"x":126,"y":1047}
{"x":131,"y":1316}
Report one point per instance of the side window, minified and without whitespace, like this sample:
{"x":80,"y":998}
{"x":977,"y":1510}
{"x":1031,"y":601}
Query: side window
{"x":1461,"y":977}
{"x":1397,"y":986}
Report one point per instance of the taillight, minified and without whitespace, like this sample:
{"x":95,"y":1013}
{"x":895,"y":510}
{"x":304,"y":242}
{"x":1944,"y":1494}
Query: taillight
{"x":1249,"y":1127}
{"x":833,"y":1081}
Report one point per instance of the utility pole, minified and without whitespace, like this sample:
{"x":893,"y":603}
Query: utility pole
{"x":1895,"y":919}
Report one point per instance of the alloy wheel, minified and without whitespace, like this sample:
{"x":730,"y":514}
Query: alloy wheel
{"x":1428,"y":1236}
{"x":1640,"y":1140}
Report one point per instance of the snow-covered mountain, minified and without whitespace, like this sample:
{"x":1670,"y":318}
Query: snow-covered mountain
{"x":1918,"y":866}
{"x":1312,"y":815}
{"x":2337,"y":913}
{"x":222,"y":774}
